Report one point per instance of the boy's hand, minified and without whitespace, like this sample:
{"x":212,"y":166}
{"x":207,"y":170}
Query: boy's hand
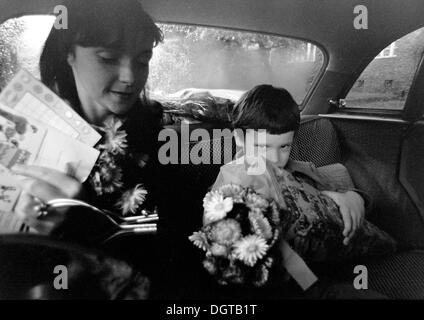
{"x":352,"y":210}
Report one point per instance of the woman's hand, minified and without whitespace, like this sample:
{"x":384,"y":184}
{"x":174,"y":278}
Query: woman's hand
{"x":40,"y":185}
{"x":352,"y":210}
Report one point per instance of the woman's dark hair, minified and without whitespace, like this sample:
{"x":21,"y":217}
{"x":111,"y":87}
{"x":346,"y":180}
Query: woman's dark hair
{"x":268,"y":108}
{"x":91,"y":23}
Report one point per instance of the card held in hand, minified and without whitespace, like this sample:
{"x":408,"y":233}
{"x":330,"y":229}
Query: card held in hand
{"x":31,"y":98}
{"x":38,"y":128}
{"x":10,"y":155}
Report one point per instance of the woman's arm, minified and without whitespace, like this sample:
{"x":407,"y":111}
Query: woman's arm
{"x":40,"y":185}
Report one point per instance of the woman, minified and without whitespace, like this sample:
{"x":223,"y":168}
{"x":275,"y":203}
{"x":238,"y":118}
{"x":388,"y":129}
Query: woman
{"x":100,"y":65}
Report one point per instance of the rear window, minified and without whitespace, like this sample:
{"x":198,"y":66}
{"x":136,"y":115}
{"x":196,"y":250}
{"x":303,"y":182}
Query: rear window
{"x":21,"y":42}
{"x":190,"y":57}
{"x":212,"y":58}
{"x":385,"y":83}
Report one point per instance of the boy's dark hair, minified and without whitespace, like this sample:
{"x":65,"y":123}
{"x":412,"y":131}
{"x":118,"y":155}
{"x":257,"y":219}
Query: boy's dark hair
{"x":266,"y":107}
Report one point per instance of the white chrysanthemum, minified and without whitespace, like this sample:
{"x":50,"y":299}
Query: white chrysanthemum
{"x":218,"y":250}
{"x":254,"y":200}
{"x":107,"y":180}
{"x":260,"y":225}
{"x":115,"y":140}
{"x":211,"y":194}
{"x":132,"y":199}
{"x":199,"y":240}
{"x":234,"y":191}
{"x":216,"y":207}
{"x":250,"y":248}
{"x":225,"y":232}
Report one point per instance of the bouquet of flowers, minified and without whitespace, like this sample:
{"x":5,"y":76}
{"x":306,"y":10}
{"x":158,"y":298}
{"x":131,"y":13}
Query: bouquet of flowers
{"x":239,"y":233}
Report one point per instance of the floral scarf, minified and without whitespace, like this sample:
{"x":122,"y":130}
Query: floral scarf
{"x":118,"y":181}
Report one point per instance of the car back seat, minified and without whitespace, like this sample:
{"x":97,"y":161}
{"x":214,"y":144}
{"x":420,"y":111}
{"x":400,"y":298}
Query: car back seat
{"x":399,"y":276}
{"x":314,"y":136}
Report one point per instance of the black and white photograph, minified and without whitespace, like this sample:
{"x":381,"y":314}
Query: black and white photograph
{"x":212,"y":157}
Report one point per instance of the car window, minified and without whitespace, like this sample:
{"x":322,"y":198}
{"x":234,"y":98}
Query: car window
{"x":212,"y":58}
{"x":21,"y":42}
{"x":190,"y":57}
{"x":385,"y":83}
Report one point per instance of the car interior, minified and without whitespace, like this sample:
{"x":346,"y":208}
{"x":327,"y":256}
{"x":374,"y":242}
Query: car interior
{"x":380,"y":145}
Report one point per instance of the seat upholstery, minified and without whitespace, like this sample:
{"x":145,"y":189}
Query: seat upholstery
{"x":315,"y":135}
{"x":318,"y":140}
{"x":371,"y":151}
{"x":400,"y":276}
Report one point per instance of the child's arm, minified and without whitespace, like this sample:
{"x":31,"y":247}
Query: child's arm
{"x":352,"y":209}
{"x":352,"y":202}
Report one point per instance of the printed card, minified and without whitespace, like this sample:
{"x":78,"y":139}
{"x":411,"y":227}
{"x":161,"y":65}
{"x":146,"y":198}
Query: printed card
{"x":26,"y":141}
{"x":30,"y":97}
{"x":44,"y":146}
{"x":9,"y":191}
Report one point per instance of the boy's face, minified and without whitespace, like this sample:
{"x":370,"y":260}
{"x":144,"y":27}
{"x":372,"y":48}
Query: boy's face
{"x":275,"y":147}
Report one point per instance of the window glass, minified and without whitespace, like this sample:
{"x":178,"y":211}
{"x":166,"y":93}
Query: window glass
{"x":21,"y":42}
{"x":190,"y":57}
{"x":213,"y":58}
{"x":385,"y":83}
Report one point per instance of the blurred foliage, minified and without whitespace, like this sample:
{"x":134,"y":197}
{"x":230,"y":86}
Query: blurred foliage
{"x":9,"y":35}
{"x":239,"y":38}
{"x":202,"y":56}
{"x":192,"y":56}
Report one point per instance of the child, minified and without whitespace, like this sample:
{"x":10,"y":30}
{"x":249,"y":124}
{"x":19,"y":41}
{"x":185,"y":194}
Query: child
{"x":320,"y":220}
{"x":273,"y":110}
{"x":322,"y":215}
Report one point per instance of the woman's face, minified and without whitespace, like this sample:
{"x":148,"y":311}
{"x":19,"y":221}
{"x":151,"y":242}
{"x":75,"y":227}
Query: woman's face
{"x":109,"y":79}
